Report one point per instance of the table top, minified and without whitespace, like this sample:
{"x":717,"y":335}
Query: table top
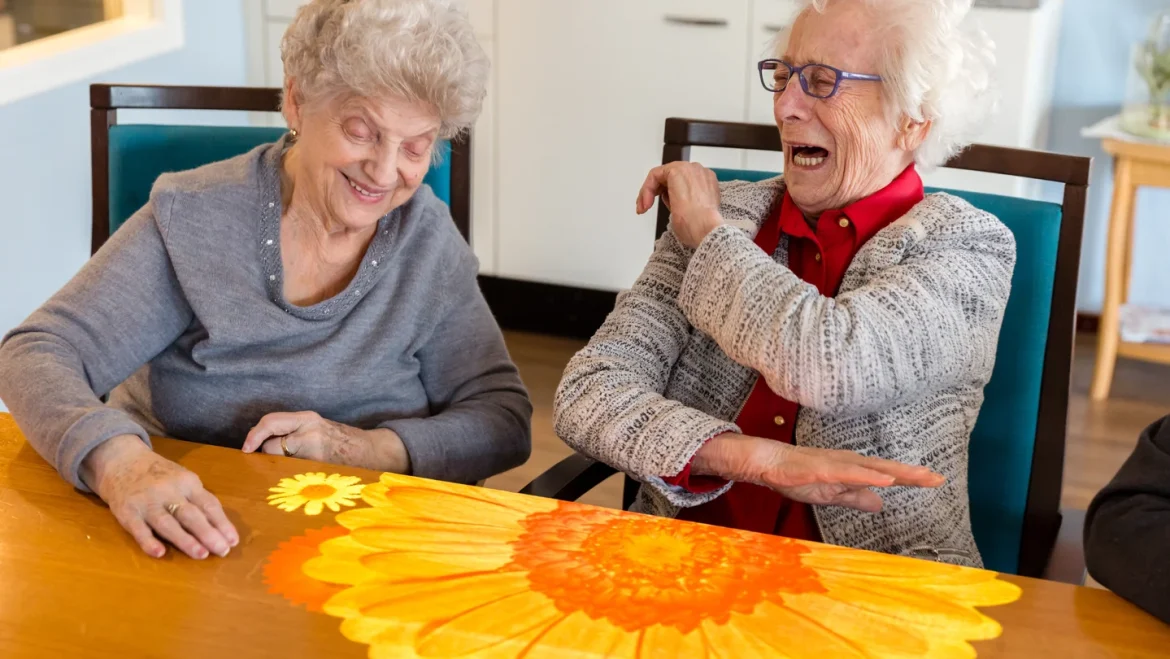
{"x":76,"y":585}
{"x":1117,"y":142}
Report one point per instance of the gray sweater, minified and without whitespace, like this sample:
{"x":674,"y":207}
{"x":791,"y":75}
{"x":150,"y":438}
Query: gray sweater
{"x":182,"y":320}
{"x":892,"y":367}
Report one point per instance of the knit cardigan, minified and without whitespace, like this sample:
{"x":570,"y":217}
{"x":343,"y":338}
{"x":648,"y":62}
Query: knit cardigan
{"x":893,"y":366}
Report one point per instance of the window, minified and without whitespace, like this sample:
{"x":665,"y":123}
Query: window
{"x":45,"y":44}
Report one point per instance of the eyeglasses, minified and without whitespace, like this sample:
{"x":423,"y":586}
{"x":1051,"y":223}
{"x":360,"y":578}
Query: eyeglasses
{"x":817,"y":80}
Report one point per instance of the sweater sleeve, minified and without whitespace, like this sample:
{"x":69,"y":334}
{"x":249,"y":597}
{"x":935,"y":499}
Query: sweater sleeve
{"x":929,"y":322}
{"x":123,"y":308}
{"x":481,"y":421}
{"x":610,"y":404}
{"x":1127,"y":527}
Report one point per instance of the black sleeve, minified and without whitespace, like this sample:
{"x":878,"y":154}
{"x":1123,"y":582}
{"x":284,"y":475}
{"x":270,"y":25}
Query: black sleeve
{"x":1127,"y":528}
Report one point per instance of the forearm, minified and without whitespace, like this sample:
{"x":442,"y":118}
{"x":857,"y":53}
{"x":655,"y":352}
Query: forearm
{"x":913,"y":328}
{"x":43,"y":382}
{"x":380,"y":449}
{"x":469,"y":441}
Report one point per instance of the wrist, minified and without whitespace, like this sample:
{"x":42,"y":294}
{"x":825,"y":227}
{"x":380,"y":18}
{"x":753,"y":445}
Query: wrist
{"x":711,"y":221}
{"x":731,"y":456}
{"x":116,"y":449}
{"x":390,"y":450}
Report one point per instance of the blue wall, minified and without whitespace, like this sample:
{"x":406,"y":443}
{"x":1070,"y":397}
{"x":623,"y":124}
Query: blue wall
{"x":1093,"y":63}
{"x":44,"y":157}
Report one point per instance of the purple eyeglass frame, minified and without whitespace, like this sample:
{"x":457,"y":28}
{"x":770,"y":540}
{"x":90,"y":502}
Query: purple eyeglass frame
{"x":795,"y":71}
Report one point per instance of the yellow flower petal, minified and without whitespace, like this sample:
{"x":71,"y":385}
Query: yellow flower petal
{"x":421,"y":505}
{"x":828,"y":627}
{"x":580,"y":637}
{"x":410,"y":564}
{"x":906,"y":607}
{"x":424,"y":600}
{"x":990,"y":592}
{"x":507,"y":625}
{"x":340,"y":563}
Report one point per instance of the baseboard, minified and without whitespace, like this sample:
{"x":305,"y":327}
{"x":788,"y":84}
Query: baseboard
{"x":568,"y":311}
{"x":1088,"y":323}
{"x":528,"y":306}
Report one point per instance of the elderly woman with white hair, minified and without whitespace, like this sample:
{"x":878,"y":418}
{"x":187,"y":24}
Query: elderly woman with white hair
{"x":310,"y":298}
{"x":795,"y":342}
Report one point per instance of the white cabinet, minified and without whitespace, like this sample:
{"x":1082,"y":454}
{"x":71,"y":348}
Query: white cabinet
{"x":583,"y":89}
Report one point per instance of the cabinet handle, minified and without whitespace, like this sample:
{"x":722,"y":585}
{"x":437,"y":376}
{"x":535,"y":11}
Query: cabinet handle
{"x":775,"y":27}
{"x":696,"y":21}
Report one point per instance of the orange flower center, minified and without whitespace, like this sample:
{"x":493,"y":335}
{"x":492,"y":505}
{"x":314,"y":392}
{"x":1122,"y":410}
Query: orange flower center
{"x":636,"y":571}
{"x":318,"y":491}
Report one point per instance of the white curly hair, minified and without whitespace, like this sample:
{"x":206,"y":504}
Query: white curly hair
{"x":417,"y":50}
{"x":936,"y":65}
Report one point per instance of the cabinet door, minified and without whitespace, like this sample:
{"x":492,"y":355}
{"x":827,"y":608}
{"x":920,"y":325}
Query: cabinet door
{"x":584,"y":89}
{"x":282,"y":8}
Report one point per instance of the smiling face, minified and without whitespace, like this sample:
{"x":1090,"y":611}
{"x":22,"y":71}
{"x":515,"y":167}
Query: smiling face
{"x":843,"y":148}
{"x":356,"y":159}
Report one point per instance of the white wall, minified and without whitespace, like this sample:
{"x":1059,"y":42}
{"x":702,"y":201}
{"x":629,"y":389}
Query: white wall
{"x":45,"y":207}
{"x":1090,"y":85}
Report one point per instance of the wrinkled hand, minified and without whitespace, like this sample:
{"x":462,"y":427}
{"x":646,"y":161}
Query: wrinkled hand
{"x":691,"y":192}
{"x":154,"y":498}
{"x":310,"y":436}
{"x":809,"y":475}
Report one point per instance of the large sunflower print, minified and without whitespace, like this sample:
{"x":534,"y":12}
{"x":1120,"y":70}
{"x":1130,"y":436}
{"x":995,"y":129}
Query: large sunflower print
{"x":438,"y":570}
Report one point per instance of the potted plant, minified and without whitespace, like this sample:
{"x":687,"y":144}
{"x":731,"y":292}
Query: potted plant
{"x":1148,"y":111}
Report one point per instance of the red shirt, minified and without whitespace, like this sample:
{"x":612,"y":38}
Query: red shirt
{"x":820,"y":258}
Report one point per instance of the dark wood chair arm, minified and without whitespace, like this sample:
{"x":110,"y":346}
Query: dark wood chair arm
{"x":1067,"y":562}
{"x":569,"y":479}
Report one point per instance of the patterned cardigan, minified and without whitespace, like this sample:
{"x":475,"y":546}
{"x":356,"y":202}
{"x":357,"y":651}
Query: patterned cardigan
{"x":894,"y":366}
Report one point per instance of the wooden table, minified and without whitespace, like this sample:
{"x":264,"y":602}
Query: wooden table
{"x":1136,"y":164}
{"x":72,"y":583}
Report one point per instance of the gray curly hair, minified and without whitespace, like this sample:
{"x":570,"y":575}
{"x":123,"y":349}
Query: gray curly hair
{"x":418,"y":50}
{"x":936,"y":66}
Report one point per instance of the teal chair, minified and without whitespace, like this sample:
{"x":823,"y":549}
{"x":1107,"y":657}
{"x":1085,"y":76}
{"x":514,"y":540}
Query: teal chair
{"x":127,"y":158}
{"x":1017,"y":446}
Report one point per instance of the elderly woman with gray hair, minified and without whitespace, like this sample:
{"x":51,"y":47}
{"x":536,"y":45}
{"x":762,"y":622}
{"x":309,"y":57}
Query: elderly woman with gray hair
{"x":789,"y":338}
{"x":310,"y":298}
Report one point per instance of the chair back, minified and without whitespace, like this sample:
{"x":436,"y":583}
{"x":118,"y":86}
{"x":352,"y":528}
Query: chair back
{"x":128,"y":158}
{"x":1017,"y":445}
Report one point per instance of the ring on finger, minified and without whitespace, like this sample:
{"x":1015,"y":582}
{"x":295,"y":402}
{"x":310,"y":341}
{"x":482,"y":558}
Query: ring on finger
{"x":284,"y":448}
{"x":173,"y":508}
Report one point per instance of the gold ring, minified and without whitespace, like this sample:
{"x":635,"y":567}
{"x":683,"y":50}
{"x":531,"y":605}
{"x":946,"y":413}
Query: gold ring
{"x":284,"y":447}
{"x":173,"y":508}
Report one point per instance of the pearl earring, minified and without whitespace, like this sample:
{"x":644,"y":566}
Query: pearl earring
{"x":294,"y":133}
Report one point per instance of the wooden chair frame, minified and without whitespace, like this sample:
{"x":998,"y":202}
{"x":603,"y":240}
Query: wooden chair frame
{"x":1043,"y":528}
{"x":105,"y":101}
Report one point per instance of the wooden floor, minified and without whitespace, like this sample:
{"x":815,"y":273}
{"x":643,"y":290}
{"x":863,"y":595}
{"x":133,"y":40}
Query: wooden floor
{"x":1100,"y":436}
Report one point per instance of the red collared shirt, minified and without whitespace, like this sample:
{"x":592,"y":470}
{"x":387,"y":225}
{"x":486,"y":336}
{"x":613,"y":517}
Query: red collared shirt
{"x":821,"y":258}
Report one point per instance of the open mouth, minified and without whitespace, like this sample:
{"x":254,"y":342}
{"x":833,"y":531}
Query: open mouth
{"x":805,"y":155}
{"x":364,"y":193}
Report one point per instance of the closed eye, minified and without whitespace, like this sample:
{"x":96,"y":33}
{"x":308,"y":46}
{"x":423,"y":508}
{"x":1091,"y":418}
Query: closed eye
{"x":357,"y":129}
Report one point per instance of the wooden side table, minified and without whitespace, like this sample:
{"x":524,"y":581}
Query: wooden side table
{"x":1135,"y":164}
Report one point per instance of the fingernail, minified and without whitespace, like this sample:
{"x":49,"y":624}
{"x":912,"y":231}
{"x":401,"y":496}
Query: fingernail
{"x":234,"y":540}
{"x":201,"y":554}
{"x":222,"y":551}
